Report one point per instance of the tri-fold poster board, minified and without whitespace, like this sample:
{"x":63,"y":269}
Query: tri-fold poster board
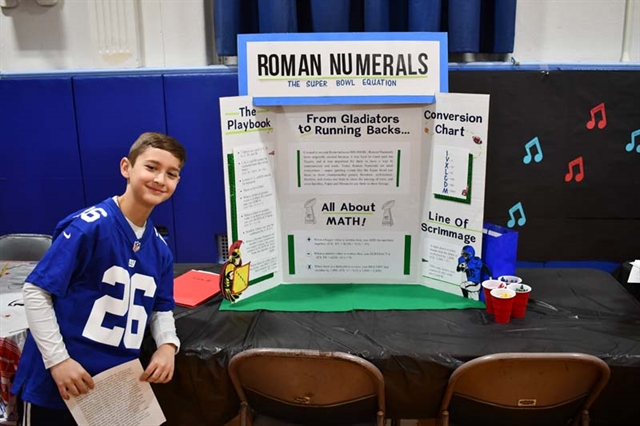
{"x":335,"y":183}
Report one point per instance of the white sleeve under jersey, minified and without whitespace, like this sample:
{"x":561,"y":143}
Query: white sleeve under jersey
{"x":44,"y":327}
{"x":163,"y":329}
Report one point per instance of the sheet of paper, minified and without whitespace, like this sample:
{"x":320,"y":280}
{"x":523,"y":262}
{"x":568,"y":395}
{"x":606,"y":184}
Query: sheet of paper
{"x":347,"y":183}
{"x":256,"y":203}
{"x":451,"y":173}
{"x":118,"y":398}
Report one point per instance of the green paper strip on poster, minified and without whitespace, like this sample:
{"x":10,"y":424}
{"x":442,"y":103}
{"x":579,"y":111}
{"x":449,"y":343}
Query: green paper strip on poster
{"x":298,"y":164}
{"x":407,"y":254}
{"x":467,"y":199}
{"x":292,"y":254}
{"x":262,"y":278}
{"x":349,"y":297}
{"x":398,"y":171}
{"x":232,"y":199}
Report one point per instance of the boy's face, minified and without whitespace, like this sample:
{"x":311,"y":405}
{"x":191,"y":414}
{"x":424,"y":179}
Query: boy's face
{"x":154,"y":176}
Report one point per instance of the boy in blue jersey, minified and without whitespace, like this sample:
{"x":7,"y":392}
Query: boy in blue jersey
{"x":106,"y":276}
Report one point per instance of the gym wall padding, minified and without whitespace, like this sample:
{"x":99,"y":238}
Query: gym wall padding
{"x":111,"y":112}
{"x":193,"y":117}
{"x":45,"y":162}
{"x":40,"y":181}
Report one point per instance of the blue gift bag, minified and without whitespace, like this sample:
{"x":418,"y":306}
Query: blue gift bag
{"x":499,"y":250}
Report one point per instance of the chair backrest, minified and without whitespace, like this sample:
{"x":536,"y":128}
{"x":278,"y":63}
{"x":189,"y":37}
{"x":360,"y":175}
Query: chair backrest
{"x":30,"y":247}
{"x":524,"y":389}
{"x":308,"y":386}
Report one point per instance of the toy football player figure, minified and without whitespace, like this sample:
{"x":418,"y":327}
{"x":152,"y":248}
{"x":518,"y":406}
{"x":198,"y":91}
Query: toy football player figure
{"x":472,"y":266}
{"x":106,"y":276}
{"x":235,"y":276}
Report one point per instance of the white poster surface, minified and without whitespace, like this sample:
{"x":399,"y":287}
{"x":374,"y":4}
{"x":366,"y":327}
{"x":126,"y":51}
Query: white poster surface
{"x":456,"y":128}
{"x":342,"y":68}
{"x":356,"y":193}
{"x":248,"y":143}
{"x":349,"y":177}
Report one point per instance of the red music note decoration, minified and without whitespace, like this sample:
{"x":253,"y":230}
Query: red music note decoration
{"x":602,"y":123}
{"x":578,"y":176}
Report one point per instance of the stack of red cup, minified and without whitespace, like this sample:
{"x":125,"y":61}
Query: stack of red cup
{"x":520,"y":301}
{"x":487,"y":286}
{"x":506,"y":297}
{"x":502,"y":304}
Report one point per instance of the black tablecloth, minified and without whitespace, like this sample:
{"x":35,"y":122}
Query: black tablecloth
{"x":570,"y":310}
{"x":621,"y":273}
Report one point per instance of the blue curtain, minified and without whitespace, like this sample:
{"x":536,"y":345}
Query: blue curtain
{"x":505,"y":26}
{"x":473,"y":26}
{"x":277,"y":16}
{"x":464,"y":26}
{"x":230,"y":18}
{"x":425,"y":15}
{"x":376,"y":16}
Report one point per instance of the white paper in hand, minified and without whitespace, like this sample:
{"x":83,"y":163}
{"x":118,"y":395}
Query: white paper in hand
{"x":118,"y":398}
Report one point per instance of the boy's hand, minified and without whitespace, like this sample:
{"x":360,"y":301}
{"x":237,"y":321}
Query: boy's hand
{"x":160,"y":369}
{"x":71,"y":378}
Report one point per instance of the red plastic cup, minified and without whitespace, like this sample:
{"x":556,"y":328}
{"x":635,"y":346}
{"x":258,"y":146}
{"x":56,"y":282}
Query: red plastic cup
{"x":510,"y":279}
{"x":487,"y":286}
{"x":520,"y":301}
{"x":502,"y":300}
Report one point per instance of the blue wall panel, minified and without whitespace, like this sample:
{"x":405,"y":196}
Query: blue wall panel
{"x":111,"y":113}
{"x":193,"y":117}
{"x":40,"y":179}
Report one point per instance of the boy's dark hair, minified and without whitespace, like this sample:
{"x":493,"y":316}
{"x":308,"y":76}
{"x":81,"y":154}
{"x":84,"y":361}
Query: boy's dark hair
{"x":160,"y":141}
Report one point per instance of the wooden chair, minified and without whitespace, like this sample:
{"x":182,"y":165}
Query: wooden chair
{"x":524,"y":389}
{"x":305,"y":387}
{"x":28,"y":247}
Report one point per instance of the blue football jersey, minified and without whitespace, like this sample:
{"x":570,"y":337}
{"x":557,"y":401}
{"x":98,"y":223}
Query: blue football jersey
{"x":105,"y":283}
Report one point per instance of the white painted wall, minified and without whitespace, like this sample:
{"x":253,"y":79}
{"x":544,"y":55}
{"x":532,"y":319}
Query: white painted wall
{"x":108,"y":34}
{"x":576,"y":31}
{"x":103,"y":34}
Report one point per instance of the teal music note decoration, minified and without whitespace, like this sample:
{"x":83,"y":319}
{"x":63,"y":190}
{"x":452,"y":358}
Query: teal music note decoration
{"x":633,"y":142}
{"x":535,"y":142}
{"x":517,"y":208}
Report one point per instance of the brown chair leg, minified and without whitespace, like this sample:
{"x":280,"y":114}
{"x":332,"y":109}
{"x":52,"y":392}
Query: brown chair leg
{"x":246,"y":419}
{"x":585,"y":418}
{"x":444,"y":418}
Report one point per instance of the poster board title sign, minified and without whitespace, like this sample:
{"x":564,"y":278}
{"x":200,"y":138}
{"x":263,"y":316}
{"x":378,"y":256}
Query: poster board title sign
{"x":344,"y":68}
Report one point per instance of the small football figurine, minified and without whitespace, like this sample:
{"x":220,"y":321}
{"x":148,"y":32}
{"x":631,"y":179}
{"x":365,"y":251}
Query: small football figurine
{"x":234,"y":278}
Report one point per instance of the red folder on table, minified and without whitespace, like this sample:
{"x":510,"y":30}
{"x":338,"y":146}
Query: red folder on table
{"x":194,"y":287}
